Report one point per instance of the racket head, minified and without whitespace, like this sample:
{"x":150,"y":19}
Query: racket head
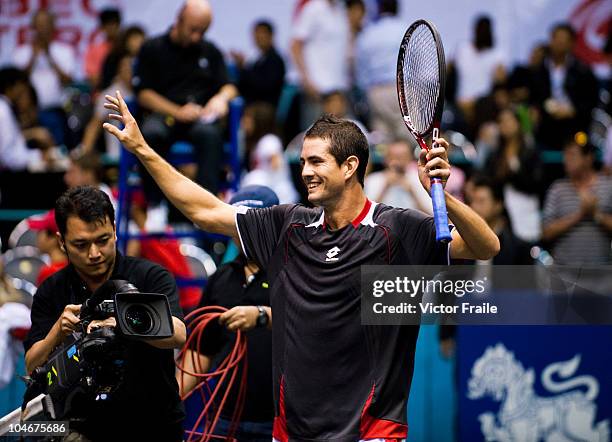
{"x":421,"y":77}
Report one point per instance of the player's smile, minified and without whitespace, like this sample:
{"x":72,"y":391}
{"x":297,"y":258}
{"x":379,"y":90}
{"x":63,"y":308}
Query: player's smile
{"x":312,"y":185}
{"x":319,"y":170}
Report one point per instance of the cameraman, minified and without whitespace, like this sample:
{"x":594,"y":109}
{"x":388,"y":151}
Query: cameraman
{"x":146,"y":405}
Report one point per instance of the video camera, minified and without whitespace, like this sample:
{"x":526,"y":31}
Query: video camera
{"x":89,"y":366}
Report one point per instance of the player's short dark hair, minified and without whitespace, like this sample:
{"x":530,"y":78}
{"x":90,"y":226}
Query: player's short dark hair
{"x":564,"y":26}
{"x":10,"y":76}
{"x":267,"y":25}
{"x":88,"y":203}
{"x":345,"y":139}
{"x":109,"y":15}
{"x":387,"y":7}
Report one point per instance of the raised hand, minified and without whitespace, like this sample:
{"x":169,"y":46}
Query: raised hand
{"x":130,"y":136}
{"x":434,"y":164}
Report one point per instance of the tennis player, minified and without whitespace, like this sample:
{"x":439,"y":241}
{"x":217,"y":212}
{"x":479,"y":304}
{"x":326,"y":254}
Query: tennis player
{"x":334,"y":379}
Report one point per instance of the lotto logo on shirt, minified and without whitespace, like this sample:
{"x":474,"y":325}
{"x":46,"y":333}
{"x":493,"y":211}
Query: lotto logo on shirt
{"x":332,"y":254}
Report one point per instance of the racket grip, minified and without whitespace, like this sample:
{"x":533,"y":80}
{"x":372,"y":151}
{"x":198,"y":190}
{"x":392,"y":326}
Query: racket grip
{"x":439,"y":211}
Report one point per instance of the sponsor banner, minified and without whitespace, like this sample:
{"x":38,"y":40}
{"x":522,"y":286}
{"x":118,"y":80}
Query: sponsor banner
{"x":486,"y":295}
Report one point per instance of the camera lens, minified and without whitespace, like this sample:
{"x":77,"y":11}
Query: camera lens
{"x":138,"y":318}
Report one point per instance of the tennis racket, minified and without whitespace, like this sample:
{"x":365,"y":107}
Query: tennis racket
{"x":421,"y":74}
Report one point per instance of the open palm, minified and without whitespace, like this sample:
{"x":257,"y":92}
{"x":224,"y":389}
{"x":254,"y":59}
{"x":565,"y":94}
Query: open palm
{"x":130,"y":136}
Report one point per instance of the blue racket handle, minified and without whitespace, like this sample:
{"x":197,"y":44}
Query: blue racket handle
{"x":439,"y":211}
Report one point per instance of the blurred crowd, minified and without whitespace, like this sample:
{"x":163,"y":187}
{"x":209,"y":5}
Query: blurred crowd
{"x":531,"y":144}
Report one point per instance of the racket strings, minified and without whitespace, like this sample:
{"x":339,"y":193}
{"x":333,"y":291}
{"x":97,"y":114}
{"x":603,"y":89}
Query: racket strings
{"x":421,"y":85}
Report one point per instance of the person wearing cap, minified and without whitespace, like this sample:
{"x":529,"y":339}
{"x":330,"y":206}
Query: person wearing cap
{"x":243,"y":288}
{"x":47,"y":243}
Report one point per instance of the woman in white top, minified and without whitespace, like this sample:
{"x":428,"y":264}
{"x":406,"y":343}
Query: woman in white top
{"x":479,"y":66}
{"x":264,"y":149}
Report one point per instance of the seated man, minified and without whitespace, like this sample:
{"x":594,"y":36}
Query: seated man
{"x":146,"y":405}
{"x":181,"y":80}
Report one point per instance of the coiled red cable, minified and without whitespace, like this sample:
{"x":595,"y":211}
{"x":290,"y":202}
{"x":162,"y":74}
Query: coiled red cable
{"x":225,"y":374}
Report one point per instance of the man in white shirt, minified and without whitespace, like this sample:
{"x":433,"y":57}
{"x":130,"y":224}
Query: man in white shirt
{"x":376,"y":70}
{"x":398,"y":184}
{"x":50,"y":64}
{"x":320,"y":50}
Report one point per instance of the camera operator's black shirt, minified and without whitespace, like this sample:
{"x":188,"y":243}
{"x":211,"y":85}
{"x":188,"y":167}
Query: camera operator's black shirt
{"x":192,"y":74}
{"x":148,"y":399}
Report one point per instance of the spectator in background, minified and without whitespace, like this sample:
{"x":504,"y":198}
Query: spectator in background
{"x":376,"y":68}
{"x":355,"y":12}
{"x":47,"y":242}
{"x":122,"y":82}
{"x":261,"y":79}
{"x":486,"y":110}
{"x":97,"y":50}
{"x":26,"y":108}
{"x":320,"y":50}
{"x":578,"y":210}
{"x":479,"y":65}
{"x":336,"y":103}
{"x":398,"y":184}
{"x":129,"y":42}
{"x":86,"y":169}
{"x":181,"y":81}
{"x":487,"y":200}
{"x":521,"y":78}
{"x":14,"y":326}
{"x":50,"y":65}
{"x":14,"y":153}
{"x":267,"y":161}
{"x":564,"y":90}
{"x":514,"y":163}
